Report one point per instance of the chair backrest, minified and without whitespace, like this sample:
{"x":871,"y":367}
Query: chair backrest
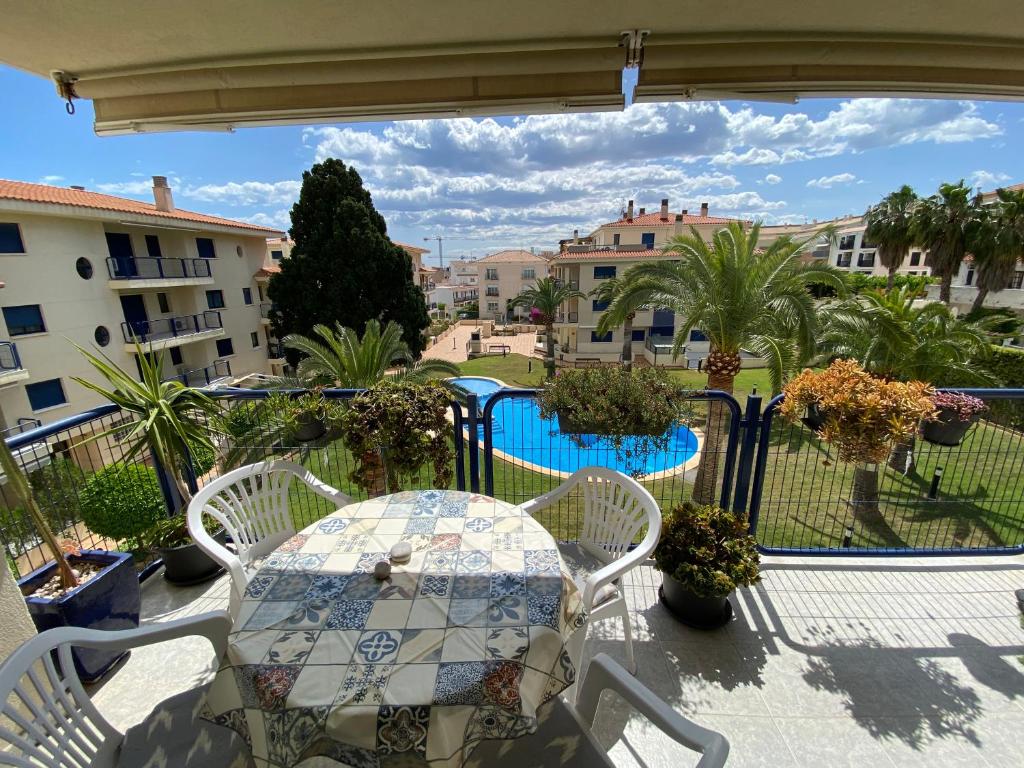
{"x":47,"y":719}
{"x":615,"y":509}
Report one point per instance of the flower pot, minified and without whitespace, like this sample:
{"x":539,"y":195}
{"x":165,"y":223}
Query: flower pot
{"x":814,"y":420}
{"x":309,"y":428}
{"x":693,"y":610}
{"x":188,"y":564}
{"x":109,"y":600}
{"x":948,"y":429}
{"x":568,"y":425}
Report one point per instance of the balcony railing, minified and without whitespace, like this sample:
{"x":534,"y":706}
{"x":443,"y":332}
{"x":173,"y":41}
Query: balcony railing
{"x":204,"y":377}
{"x":572,"y":285}
{"x":150,"y":268}
{"x":567,"y":317}
{"x":171,"y":327}
{"x":23,"y":425}
{"x":266,"y":308}
{"x":275,"y":350}
{"x":10,"y":360}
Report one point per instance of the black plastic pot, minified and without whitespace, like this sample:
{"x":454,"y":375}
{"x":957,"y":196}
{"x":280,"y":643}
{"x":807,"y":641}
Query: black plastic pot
{"x":109,"y":600}
{"x":693,"y":610}
{"x":188,"y":564}
{"x":814,"y":420}
{"x":568,"y":425}
{"x":309,"y":428}
{"x":948,"y":429}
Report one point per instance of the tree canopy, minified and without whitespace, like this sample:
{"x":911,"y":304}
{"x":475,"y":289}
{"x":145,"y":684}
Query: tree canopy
{"x":343,"y":269}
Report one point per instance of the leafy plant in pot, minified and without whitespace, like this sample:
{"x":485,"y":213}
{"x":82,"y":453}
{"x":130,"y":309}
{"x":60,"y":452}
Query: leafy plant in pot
{"x":956,"y":412}
{"x":184,"y":562}
{"x":305,"y":417}
{"x":632,"y":411}
{"x":704,"y":554}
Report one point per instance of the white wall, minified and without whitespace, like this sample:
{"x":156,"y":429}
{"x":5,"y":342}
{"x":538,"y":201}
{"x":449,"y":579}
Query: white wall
{"x":17,"y":626}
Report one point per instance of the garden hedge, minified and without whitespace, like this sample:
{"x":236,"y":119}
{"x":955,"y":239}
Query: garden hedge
{"x":1007,"y":365}
{"x":122,"y":501}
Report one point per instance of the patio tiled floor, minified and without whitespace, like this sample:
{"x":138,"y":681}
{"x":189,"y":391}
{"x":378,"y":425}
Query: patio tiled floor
{"x":837,"y":662}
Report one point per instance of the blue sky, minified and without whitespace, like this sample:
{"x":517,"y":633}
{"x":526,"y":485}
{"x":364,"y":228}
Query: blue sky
{"x":485,"y":184}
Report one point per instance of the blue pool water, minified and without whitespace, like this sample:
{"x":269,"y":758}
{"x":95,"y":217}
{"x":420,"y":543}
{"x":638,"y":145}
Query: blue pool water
{"x":519,"y":431}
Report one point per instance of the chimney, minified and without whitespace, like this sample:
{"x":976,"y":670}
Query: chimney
{"x":629,"y":211}
{"x":79,"y":187}
{"x":685,"y":211}
{"x":703,"y":209}
{"x":643,"y":211}
{"x":664,"y":208}
{"x":679,"y":217}
{"x":162,"y":196}
{"x":575,"y":237}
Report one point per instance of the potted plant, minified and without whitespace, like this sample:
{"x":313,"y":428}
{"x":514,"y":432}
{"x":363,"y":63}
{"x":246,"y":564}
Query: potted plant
{"x":396,"y":428}
{"x":184,"y":562}
{"x":956,"y":413}
{"x":704,"y":553}
{"x":304,"y":417}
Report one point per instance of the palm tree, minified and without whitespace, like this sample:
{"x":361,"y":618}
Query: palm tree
{"x":606,"y":292}
{"x":943,"y":224}
{"x":546,"y":297}
{"x":998,"y":244}
{"x":741,"y":298}
{"x":889,"y":225}
{"x":339,"y":358}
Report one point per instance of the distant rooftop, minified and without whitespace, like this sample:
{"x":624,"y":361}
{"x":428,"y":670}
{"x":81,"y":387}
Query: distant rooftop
{"x":511,"y":256}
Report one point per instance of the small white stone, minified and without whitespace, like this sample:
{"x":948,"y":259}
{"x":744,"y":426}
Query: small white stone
{"x":382,"y":570}
{"x":401,"y":552}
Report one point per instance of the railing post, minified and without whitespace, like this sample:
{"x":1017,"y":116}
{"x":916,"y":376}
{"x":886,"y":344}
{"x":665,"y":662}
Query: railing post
{"x":761,"y":464}
{"x":748,"y":441}
{"x":474,"y":453}
{"x":460,"y":446}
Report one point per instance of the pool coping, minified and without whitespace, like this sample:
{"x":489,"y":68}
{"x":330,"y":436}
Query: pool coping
{"x":664,"y":474}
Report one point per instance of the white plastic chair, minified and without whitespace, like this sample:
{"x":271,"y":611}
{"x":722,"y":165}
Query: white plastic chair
{"x":252,"y":504}
{"x":565,"y":739}
{"x":47,"y":718}
{"x":615,"y":510}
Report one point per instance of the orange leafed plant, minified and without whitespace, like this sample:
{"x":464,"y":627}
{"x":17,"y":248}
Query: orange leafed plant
{"x":863,"y":414}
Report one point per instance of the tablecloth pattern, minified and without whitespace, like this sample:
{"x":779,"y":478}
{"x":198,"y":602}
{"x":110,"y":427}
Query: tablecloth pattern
{"x":462,"y":643}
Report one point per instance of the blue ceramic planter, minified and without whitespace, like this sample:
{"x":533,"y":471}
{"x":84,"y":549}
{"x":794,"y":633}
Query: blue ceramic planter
{"x":109,"y":600}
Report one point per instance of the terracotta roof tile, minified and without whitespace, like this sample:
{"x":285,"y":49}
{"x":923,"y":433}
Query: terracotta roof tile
{"x":655,"y":220}
{"x":608,"y":255}
{"x":273,"y":269}
{"x":411,"y":249}
{"x":23,"y":191}
{"x":511,"y":256}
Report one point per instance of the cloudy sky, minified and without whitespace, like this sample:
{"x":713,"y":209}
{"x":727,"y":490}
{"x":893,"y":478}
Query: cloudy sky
{"x":485,"y":184}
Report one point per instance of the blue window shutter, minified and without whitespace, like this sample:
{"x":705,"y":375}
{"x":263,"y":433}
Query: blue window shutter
{"x":647,"y":238}
{"x":10,"y":238}
{"x":45,"y":394}
{"x":24,"y":319}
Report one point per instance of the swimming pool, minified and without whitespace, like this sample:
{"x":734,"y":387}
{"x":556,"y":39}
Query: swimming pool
{"x":521,"y":434}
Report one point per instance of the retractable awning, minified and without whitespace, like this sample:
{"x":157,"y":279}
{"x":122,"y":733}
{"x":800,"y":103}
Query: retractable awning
{"x":216,"y":65}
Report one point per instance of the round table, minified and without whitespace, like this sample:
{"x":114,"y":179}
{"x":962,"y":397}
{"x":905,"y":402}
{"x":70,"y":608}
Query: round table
{"x":462,"y":643}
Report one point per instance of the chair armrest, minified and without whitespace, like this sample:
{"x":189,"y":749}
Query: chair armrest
{"x":547,"y":499}
{"x":609,"y":573}
{"x":320,"y":488}
{"x":604,"y":674}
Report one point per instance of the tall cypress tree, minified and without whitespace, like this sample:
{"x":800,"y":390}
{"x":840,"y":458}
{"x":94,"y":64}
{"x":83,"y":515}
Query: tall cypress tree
{"x":343,"y":268}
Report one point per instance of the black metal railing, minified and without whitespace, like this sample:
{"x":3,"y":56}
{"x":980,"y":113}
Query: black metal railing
{"x":10,"y":360}
{"x":205,"y":376}
{"x":171,"y":327}
{"x":22,"y":425}
{"x":275,"y":350}
{"x":156,"y":268}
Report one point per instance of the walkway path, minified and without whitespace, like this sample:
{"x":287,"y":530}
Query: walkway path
{"x":453,"y":347}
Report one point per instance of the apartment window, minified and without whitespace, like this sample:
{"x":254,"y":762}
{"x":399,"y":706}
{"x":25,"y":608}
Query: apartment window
{"x":102,"y":335}
{"x":10,"y":238}
{"x":696,"y":335}
{"x":638,"y":335}
{"x":176,"y":357}
{"x":163,"y":303}
{"x":247,"y":295}
{"x":259,"y":291}
{"x":915,"y":258}
{"x":84,"y":268}
{"x":204,"y":245}
{"x":529,"y":273}
{"x":865,"y":260}
{"x":215,"y":299}
{"x":616,"y":238}
{"x":844,"y":259}
{"x":599,"y":306}
{"x":969,"y":280}
{"x":865,"y":244}
{"x":492,"y":290}
{"x":492,"y":306}
{"x":153,"y":246}
{"x":45,"y":394}
{"x":647,"y":238}
{"x":225,"y":348}
{"x":254,"y":338}
{"x":846,"y":242}
{"x":600,"y":337}
{"x":277,"y":255}
{"x":1018,"y":280}
{"x":604,"y":273}
{"x":492,"y":273}
{"x":24,"y":319}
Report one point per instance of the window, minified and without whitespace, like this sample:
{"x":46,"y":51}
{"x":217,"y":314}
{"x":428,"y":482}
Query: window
{"x":1017,"y":281}
{"x":492,"y":290}
{"x":599,"y":306}
{"x":529,"y":273}
{"x":254,"y":338}
{"x":277,"y":255}
{"x":647,"y":238}
{"x":247,"y":295}
{"x":969,"y":280}
{"x":259,"y":291}
{"x":45,"y":394}
{"x":844,"y":259}
{"x":24,"y":319}
{"x":616,"y":238}
{"x":604,"y":273}
{"x":153,"y":246}
{"x":596,"y":337}
{"x":10,"y":238}
{"x":696,"y":335}
{"x":84,"y":268}
{"x":492,"y":306}
{"x":215,"y":299}
{"x":915,"y":258}
{"x":176,"y":358}
{"x":492,"y":273}
{"x":165,"y":305}
{"x":204,"y":245}
{"x":638,"y":335}
{"x":102,"y":335}
{"x":846,"y":242}
{"x":865,"y":244}
{"x":865,"y":259}
{"x":225,"y":347}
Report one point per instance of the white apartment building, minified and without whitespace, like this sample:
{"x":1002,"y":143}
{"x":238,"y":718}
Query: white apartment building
{"x":463,"y":272}
{"x":100,"y":272}
{"x":451,"y":297}
{"x":503,"y":276}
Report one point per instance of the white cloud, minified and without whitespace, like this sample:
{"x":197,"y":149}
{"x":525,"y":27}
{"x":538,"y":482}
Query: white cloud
{"x":134,"y":188}
{"x":771,"y":178}
{"x":988,"y":180}
{"x":50,"y":179}
{"x":246,"y":192}
{"x":827,"y":182}
{"x":277,"y":219}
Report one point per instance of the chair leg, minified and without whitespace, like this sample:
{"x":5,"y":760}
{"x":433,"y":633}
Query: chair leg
{"x":628,"y":632}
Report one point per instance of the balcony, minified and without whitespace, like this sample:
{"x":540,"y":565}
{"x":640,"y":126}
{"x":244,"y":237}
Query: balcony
{"x":572,"y":285}
{"x":275,"y":352}
{"x":149,"y":272}
{"x":213,"y":373}
{"x":567,"y":317}
{"x":11,"y":370}
{"x":172,"y":331}
{"x":266,"y":308}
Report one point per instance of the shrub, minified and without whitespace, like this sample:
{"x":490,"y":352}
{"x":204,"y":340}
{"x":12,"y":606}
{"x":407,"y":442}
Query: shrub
{"x":708,"y":550}
{"x":964,"y":407}
{"x":1008,"y":325}
{"x":203,"y":459}
{"x":122,"y":501}
{"x":1007,"y":366}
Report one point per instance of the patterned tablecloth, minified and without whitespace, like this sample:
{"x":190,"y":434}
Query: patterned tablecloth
{"x":463,"y":643}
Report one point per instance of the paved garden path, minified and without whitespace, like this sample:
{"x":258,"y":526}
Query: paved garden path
{"x":453,"y":346}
